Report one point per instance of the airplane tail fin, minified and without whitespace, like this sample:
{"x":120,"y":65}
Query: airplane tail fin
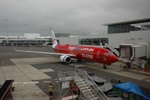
{"x":54,"y":41}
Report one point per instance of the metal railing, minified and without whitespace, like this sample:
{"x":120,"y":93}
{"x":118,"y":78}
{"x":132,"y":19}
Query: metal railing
{"x":97,"y":90}
{"x":81,"y":76}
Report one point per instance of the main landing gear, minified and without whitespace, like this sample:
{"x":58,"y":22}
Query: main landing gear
{"x":104,"y":67}
{"x":79,"y":60}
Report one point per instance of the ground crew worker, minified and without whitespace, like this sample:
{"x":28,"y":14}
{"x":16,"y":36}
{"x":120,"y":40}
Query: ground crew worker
{"x":74,"y":88}
{"x":50,"y":90}
{"x":71,"y":83}
{"x":124,"y":66}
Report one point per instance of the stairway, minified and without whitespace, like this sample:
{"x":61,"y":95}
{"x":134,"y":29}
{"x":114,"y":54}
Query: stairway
{"x":86,"y":90}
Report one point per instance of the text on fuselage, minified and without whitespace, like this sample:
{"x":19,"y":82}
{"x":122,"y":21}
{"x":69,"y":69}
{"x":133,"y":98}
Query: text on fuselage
{"x":82,"y":49}
{"x":89,"y":56}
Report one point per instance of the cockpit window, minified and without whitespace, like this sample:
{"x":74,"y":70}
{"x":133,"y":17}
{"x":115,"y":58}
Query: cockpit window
{"x":105,"y":53}
{"x":110,"y":53}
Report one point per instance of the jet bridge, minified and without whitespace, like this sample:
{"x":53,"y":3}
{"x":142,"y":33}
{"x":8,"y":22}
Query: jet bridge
{"x":88,"y":88}
{"x":135,"y":52}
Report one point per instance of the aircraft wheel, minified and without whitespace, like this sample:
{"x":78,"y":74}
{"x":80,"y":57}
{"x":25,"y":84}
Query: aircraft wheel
{"x":104,"y":67}
{"x":79,"y":60}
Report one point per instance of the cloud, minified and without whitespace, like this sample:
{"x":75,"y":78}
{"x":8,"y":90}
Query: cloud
{"x":70,"y":16}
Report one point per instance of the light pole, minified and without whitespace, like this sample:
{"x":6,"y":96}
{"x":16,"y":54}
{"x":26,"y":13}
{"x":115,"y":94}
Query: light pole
{"x":7,"y":29}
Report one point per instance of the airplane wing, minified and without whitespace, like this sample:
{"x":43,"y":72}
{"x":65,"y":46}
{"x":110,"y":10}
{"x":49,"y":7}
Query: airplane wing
{"x":50,"y":53}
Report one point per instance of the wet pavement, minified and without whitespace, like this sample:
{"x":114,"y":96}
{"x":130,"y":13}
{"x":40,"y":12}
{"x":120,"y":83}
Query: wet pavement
{"x":33,"y":72}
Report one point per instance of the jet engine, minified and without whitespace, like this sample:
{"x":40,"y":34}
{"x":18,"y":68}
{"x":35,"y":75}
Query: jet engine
{"x":65,"y":59}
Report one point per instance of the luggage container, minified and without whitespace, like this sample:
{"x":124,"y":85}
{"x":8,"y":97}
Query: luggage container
{"x":130,"y":91}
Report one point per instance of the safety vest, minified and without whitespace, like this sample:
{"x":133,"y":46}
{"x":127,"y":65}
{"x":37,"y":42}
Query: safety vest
{"x":50,"y":88}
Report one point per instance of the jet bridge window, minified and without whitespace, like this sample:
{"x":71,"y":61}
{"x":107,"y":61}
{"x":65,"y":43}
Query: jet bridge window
{"x":126,"y":51}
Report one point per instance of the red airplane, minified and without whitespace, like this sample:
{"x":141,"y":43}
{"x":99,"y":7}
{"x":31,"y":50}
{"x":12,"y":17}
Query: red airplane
{"x":90,"y":53}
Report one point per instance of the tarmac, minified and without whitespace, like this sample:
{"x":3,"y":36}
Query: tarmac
{"x":25,"y":75}
{"x":32,"y":73}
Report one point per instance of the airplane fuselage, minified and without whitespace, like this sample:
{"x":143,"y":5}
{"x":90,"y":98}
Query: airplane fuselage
{"x":91,"y":53}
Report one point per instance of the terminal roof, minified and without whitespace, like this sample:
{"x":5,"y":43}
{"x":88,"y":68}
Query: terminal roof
{"x":130,"y":22}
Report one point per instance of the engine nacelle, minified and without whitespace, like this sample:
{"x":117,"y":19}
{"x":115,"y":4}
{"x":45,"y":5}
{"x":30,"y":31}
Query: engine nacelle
{"x":65,"y":59}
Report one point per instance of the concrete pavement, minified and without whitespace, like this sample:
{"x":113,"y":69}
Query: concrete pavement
{"x":26,"y":76}
{"x":116,"y":69}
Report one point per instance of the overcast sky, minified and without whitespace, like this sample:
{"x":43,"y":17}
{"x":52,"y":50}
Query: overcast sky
{"x":67,"y":16}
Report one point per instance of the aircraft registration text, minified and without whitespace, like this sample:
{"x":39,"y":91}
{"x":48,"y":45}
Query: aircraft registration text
{"x":87,"y":56}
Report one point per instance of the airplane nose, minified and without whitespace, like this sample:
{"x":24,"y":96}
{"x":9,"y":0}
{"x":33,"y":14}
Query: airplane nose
{"x":114,"y":59}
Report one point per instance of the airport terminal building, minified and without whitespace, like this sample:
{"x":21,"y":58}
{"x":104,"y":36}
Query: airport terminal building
{"x":29,"y":39}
